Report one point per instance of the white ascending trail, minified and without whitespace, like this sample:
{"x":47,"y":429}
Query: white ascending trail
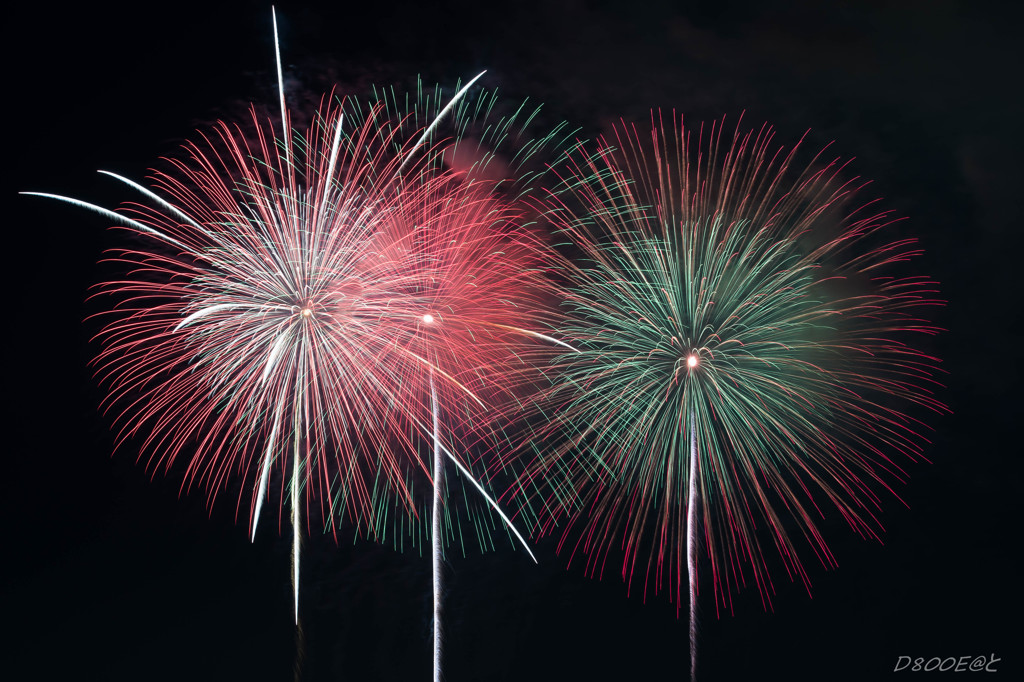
{"x":436,"y":530}
{"x":440,"y":450}
{"x":691,"y":546}
{"x":295,"y":524}
{"x":298,"y":443}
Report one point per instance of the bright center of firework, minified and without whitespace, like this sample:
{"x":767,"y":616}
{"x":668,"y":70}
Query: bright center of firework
{"x":306,"y":312}
{"x":428,"y":318}
{"x":691,"y":361}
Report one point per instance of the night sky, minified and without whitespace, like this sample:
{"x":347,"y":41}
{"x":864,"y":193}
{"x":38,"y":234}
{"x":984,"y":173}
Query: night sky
{"x":113,"y":574}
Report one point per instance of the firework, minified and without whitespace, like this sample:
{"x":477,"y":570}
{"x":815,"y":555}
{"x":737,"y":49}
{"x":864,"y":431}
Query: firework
{"x":462,"y":277}
{"x":462,"y":257}
{"x":311,"y":312}
{"x":745,"y":362}
{"x":466,"y":267}
{"x":243,"y":341}
{"x":258,"y":334}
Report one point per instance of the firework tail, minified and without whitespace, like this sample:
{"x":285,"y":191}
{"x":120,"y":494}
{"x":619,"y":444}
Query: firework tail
{"x":296,"y":536}
{"x":691,"y":545}
{"x":436,"y":527}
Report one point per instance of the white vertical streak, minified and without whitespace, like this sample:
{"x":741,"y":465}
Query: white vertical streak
{"x":334,"y":151}
{"x":295,"y":522}
{"x":298,"y":442}
{"x":265,"y":475}
{"x":691,"y":546}
{"x":436,"y":530}
{"x":286,"y":136}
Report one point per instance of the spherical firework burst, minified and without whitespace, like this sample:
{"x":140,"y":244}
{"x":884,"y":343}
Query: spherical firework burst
{"x":249,"y":340}
{"x":745,"y":359}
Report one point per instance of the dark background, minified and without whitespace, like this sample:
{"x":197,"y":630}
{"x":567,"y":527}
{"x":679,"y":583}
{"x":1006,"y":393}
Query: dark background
{"x":110,"y":575}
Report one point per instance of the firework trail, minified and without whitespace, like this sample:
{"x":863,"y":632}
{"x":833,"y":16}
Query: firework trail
{"x":746,"y":359}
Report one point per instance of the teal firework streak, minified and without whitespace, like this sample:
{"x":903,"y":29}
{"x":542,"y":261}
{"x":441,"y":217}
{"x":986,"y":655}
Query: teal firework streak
{"x":746,"y":356}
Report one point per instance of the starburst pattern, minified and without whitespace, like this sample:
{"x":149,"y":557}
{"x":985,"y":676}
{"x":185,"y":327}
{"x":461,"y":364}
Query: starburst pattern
{"x":253,"y":335}
{"x":748,"y":356}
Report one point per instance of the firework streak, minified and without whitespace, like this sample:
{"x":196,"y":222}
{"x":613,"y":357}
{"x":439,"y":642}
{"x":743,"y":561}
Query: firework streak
{"x":746,"y":359}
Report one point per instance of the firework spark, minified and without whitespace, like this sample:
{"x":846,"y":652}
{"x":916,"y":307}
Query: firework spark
{"x":746,"y":359}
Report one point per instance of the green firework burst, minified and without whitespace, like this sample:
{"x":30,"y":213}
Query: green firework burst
{"x":714,"y":294}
